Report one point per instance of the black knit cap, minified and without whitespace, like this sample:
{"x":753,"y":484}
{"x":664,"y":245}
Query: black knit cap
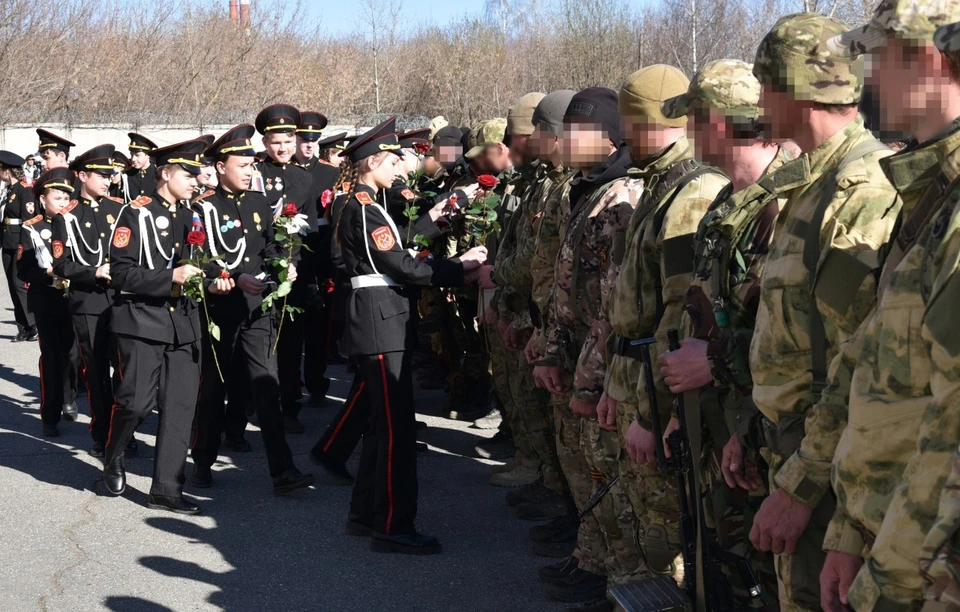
{"x":184,"y":154}
{"x":278,"y":119}
{"x":599,"y":106}
{"x":381,"y":138}
{"x":311,"y":126}
{"x":337,"y":141}
{"x":139,"y":142}
{"x":49,"y":140}
{"x":449,"y":136}
{"x":99,"y":159}
{"x":235,"y":142}
{"x":58,"y":178}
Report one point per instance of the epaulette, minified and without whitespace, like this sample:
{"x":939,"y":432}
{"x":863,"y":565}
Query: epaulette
{"x":24,"y":183}
{"x":140,"y":202}
{"x":115,"y":199}
{"x":205,"y":194}
{"x":364,"y":198}
{"x":69,"y":207}
{"x":29,"y":222}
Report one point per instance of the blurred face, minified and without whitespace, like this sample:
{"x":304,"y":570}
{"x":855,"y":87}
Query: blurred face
{"x":54,"y":158}
{"x":585,"y":145}
{"x":95,"y":184}
{"x":708,"y":133}
{"x":430,"y":165}
{"x":383,"y":169}
{"x":207,"y":177}
{"x":306,"y":149}
{"x":54,"y":200}
{"x":910,"y":81}
{"x":780,"y":113}
{"x":139,"y":159}
{"x":520,"y":153}
{"x":280,"y":147}
{"x":647,"y":138}
{"x":448,"y":154}
{"x":495,"y":158}
{"x":179,"y":182}
{"x":235,"y":173}
{"x":544,"y":144}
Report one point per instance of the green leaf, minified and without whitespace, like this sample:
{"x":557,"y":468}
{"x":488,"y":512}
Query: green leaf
{"x":284,"y":288}
{"x":491,"y":215}
{"x":214,"y":330}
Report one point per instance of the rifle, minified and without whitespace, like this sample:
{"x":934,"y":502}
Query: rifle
{"x":597,"y":496}
{"x":644,"y":345}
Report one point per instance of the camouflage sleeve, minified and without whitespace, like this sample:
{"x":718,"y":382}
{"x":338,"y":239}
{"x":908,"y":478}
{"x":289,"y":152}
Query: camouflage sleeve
{"x":592,"y":363}
{"x":842,"y":535}
{"x":547,"y":244}
{"x":940,"y":557}
{"x":560,"y":330}
{"x":513,"y":271}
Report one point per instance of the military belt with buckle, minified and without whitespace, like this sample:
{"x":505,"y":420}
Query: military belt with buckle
{"x":12,"y":221}
{"x":630,"y":347}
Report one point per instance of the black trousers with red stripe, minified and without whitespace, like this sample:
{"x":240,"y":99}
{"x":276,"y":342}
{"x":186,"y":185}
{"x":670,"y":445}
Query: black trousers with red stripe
{"x":385,"y":493}
{"x":96,"y":342}
{"x":58,"y":355}
{"x":152,"y":375}
{"x":347,"y":428}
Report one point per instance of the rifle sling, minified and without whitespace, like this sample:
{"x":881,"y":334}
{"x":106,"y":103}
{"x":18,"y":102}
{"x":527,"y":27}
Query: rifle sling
{"x":691,"y":408}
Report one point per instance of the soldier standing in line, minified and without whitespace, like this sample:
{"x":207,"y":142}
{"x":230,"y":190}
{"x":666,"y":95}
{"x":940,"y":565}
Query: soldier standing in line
{"x":18,"y":206}
{"x":141,"y":178}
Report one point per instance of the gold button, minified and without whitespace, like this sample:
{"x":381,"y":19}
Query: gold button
{"x":172,"y":309}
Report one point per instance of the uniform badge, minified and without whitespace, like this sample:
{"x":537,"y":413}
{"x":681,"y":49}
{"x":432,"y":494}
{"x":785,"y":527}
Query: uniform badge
{"x":408,"y":195}
{"x":256,"y":219}
{"x":269,"y":184}
{"x":45,"y":234}
{"x":121,"y":238}
{"x":383,"y":238}
{"x":57,"y":249}
{"x":110,"y":219}
{"x":19,"y":252}
{"x":256,"y":183}
{"x":364,"y":198}
{"x":163,"y":223}
{"x":29,"y":207}
{"x":13,"y":197}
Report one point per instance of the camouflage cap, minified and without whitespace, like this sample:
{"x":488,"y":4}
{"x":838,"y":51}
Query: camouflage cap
{"x":520,"y":116}
{"x":903,"y":19}
{"x":484,"y":134}
{"x":726,"y":85}
{"x":436,"y":124}
{"x":947,"y":37}
{"x":645,"y":91}
{"x":794,"y":57}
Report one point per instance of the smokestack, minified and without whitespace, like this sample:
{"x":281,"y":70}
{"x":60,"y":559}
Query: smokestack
{"x":234,"y":11}
{"x":245,"y":14}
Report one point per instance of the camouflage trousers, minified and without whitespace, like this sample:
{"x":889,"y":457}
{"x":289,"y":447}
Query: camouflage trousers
{"x":654,"y":499}
{"x":505,"y":384}
{"x":614,"y":513}
{"x":798,"y":574}
{"x":591,"y":546}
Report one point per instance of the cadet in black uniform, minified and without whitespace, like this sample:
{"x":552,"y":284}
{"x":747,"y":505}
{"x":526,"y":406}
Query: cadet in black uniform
{"x":17,"y":206}
{"x":55,"y":151}
{"x":119,"y":186}
{"x":141,"y":178}
{"x":380,"y":335}
{"x":81,"y":254}
{"x":239,"y":233}
{"x":47,"y":300}
{"x":157,"y":327}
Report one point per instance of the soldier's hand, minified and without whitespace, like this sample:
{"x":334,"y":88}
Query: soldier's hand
{"x":291,"y":273}
{"x":737,"y":471}
{"x":672,"y":426}
{"x":473,"y":258}
{"x":641,"y":444}
{"x":837,"y":575}
{"x":549,"y":378}
{"x":222,"y":286}
{"x":182,"y":274}
{"x":249,"y":285}
{"x":49,"y":272}
{"x":483,"y":278}
{"x":584,"y":408}
{"x":607,"y":412}
{"x":530,"y":350}
{"x":516,"y":339}
{"x":104,"y":272}
{"x":686,"y":368}
{"x":489,"y":317}
{"x":779,"y":523}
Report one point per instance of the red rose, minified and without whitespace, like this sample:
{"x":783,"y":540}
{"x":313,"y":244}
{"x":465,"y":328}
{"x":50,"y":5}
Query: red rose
{"x":421,"y":147}
{"x":326,"y":197}
{"x":224,"y":274}
{"x":329,"y":286}
{"x":290,"y":210}
{"x":196,"y":237}
{"x":487,"y":181}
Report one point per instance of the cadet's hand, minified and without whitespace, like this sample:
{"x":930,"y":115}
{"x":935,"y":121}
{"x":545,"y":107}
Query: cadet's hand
{"x":490,"y":317}
{"x":182,"y":274}
{"x":484,"y":277}
{"x":549,"y":378}
{"x":221,"y":286}
{"x":780,"y":523}
{"x":437,"y":211}
{"x":687,"y":367}
{"x":104,"y":272}
{"x":472,"y":259}
{"x":249,"y":285}
{"x":641,"y":444}
{"x":470,"y":278}
{"x":583,"y":408}
{"x":49,"y":272}
{"x":837,"y":575}
{"x":672,"y":426}
{"x":737,"y":471}
{"x":291,"y":272}
{"x":607,"y":412}
{"x":470,"y":191}
{"x":530,"y":350}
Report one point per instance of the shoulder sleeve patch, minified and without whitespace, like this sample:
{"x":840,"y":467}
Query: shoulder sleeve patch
{"x":364,"y":198}
{"x":140,"y":202}
{"x":24,"y":183}
{"x":408,"y":195}
{"x":33,"y":220}
{"x":121,"y":237}
{"x":57,"y":249}
{"x":383,"y":238}
{"x":68,"y":207}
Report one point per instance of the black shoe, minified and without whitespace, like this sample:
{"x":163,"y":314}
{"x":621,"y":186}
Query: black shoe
{"x":96,"y":450}
{"x":597,"y":605}
{"x":70,"y":411}
{"x":525,"y":494}
{"x":50,"y":430}
{"x":357,"y":527}
{"x":559,"y":570}
{"x":556,"y":527}
{"x":202,"y":477}
{"x":422,"y":447}
{"x":557,"y":546}
{"x":292,"y":425}
{"x":333,"y":467}
{"x":551,"y":507}
{"x":240,"y":445}
{"x":21,"y":336}
{"x":32,"y":335}
{"x":114,"y":477}
{"x":576,"y":587}
{"x":421,"y":425}
{"x":500,"y":446}
{"x":407,"y":544}
{"x":290,"y":480}
{"x":173,"y":504}
{"x":132,"y":449}
{"x":318,"y":401}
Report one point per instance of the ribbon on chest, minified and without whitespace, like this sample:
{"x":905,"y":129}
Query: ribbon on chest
{"x":216,"y":241}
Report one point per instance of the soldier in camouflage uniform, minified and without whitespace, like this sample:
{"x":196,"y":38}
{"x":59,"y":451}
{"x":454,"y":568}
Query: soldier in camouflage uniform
{"x":721,"y":305}
{"x":602,"y":198}
{"x":840,"y":210}
{"x":889,"y":419}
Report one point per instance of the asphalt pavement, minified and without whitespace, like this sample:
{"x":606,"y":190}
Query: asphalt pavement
{"x":66,"y":545}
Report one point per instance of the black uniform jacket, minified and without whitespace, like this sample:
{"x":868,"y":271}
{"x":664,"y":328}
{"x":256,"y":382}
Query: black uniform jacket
{"x":19,"y":206}
{"x":149,"y":241}
{"x":81,"y":243}
{"x":380,"y":319}
{"x":142,"y":182}
{"x":44,"y":293}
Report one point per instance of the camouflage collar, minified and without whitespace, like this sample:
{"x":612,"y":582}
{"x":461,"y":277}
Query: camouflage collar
{"x":826,"y":157}
{"x":913,"y":168}
{"x":663,"y":159}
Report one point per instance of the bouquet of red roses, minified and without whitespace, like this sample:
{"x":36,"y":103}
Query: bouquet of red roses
{"x":288,"y":226}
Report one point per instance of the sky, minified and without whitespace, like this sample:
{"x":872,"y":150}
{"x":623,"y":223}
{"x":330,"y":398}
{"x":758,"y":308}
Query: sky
{"x":339,"y":15}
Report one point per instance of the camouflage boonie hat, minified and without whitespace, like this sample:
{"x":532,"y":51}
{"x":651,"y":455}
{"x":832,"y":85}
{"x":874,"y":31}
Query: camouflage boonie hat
{"x":485,"y":133}
{"x":947,"y":37}
{"x":794,"y":58}
{"x":726,"y":85}
{"x":903,"y":19}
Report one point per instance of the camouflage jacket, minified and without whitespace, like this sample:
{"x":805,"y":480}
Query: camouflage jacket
{"x":859,"y":210}
{"x":940,"y":558}
{"x":657,"y":251}
{"x":880,"y":398}
{"x":587,"y":265}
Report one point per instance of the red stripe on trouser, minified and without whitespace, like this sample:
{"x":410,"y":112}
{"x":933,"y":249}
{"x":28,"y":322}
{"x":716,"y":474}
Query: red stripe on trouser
{"x":346,"y":415}
{"x":386,"y":402}
{"x":113,"y":407}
